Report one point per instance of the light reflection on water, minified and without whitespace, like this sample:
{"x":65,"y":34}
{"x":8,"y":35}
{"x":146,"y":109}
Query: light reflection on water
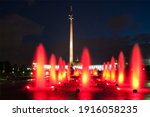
{"x":39,"y":96}
{"x":69,"y":93}
{"x":89,"y":95}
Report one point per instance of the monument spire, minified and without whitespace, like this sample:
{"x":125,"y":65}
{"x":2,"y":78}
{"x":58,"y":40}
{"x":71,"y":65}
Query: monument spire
{"x":71,"y":36}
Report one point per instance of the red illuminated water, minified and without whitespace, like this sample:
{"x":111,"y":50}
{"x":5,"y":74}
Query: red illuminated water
{"x":94,"y":86}
{"x":39,"y":96}
{"x":136,"y":65}
{"x":107,"y":77}
{"x":121,"y":68}
{"x":112,"y":71}
{"x":63,"y":70}
{"x":53,"y":77}
{"x":76,"y":72}
{"x":104,"y":70}
{"x":86,"y":62}
{"x":68,"y":72}
{"x":40,"y":58}
{"x":60,"y":71}
{"x":95,"y":72}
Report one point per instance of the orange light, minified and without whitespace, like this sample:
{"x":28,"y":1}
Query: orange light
{"x":104,"y":70}
{"x":64,"y":74}
{"x":95,"y":72}
{"x":104,"y":73}
{"x":113,"y":75}
{"x":59,"y":76}
{"x":121,"y":78}
{"x":84,"y":79}
{"x":76,"y":72}
{"x":112,"y":69}
{"x":61,"y":69}
{"x":107,"y":75}
{"x":135,"y":83}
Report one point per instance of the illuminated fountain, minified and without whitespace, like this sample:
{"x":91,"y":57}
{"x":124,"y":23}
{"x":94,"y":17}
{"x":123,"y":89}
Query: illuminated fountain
{"x":121,"y":68}
{"x":40,"y":58}
{"x":53,"y":76}
{"x":95,"y":72}
{"x":136,"y":65}
{"x":60,"y":71}
{"x":86,"y":62}
{"x":76,"y":72}
{"x":107,"y":77}
{"x":104,"y":70}
{"x":64,"y":71}
{"x":112,"y":71}
{"x":40,"y":73}
{"x":84,"y":78}
{"x":68,"y":73}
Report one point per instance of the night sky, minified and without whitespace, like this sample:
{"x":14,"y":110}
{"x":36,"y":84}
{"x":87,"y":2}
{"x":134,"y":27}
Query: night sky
{"x":104,"y":26}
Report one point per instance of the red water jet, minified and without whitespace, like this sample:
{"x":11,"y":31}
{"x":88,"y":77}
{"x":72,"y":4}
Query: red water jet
{"x":107,"y":77}
{"x":76,"y":72}
{"x":85,"y":61}
{"x":52,"y":69}
{"x":104,"y":70}
{"x":137,"y":79}
{"x":112,"y":71}
{"x":60,"y":62}
{"x":121,"y":68}
{"x":63,"y":70}
{"x":95,"y":72}
{"x":40,"y":58}
{"x":68,"y":72}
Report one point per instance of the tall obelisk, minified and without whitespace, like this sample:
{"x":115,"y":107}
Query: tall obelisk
{"x":71,"y":36}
